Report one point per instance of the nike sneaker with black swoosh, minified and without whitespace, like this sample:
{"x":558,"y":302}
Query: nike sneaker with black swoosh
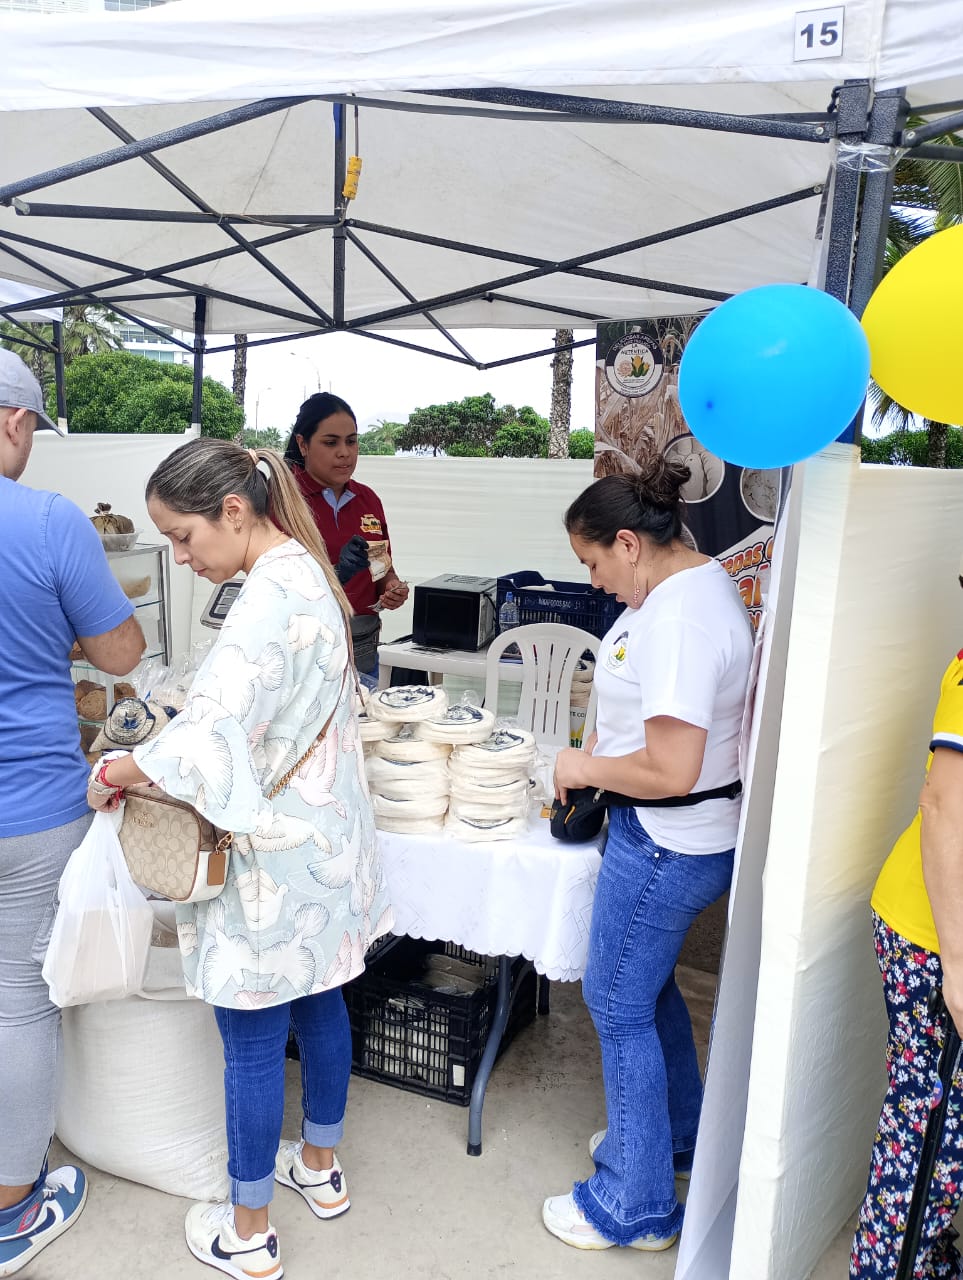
{"x":45,"y":1215}
{"x":324,"y":1190}
{"x":212,"y":1238}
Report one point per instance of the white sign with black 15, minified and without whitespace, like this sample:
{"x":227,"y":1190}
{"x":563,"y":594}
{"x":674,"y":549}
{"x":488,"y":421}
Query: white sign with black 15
{"x":819,"y":33}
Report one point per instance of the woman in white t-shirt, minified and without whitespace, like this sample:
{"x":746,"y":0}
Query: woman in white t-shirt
{"x":671,"y":678}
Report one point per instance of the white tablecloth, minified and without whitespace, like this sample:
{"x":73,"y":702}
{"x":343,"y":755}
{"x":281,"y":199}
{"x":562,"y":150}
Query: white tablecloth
{"x":529,"y":897}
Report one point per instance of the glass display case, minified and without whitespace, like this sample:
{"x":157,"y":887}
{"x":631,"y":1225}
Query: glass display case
{"x":143,"y":572}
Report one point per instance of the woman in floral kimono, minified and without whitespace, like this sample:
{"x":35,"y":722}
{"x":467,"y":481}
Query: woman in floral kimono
{"x":305,"y":894}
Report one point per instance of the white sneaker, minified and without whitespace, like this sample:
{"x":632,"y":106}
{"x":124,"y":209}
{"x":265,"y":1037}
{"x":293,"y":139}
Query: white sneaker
{"x":682,"y":1174}
{"x":562,"y":1216}
{"x":212,"y":1238}
{"x":326,"y":1190}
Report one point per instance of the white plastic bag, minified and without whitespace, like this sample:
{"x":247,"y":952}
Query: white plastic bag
{"x":101,"y":936}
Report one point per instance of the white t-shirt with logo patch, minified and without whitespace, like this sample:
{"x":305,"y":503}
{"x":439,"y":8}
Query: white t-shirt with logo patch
{"x":685,"y":653}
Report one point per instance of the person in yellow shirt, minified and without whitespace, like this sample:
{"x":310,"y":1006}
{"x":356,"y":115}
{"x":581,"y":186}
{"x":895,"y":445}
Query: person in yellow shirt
{"x":918,"y":926}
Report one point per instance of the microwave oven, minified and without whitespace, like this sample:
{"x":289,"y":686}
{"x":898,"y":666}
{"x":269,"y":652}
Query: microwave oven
{"x":455,"y":611}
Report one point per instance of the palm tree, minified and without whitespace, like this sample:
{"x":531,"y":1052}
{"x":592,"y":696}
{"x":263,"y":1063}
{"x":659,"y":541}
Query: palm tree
{"x":927,"y":197}
{"x":87,"y":330}
{"x":239,"y":381}
{"x":560,"y":416}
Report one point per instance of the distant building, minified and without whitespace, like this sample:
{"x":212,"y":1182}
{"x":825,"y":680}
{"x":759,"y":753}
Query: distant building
{"x":142,"y":342}
{"x":76,"y":6}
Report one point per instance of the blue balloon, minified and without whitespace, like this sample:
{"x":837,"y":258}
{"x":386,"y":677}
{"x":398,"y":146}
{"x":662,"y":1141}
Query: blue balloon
{"x":773,"y":375}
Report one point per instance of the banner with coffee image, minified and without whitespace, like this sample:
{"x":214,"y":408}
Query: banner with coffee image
{"x":730,"y":510}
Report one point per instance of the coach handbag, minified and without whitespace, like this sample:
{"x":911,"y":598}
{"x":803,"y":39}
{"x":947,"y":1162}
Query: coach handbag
{"x":174,"y":852}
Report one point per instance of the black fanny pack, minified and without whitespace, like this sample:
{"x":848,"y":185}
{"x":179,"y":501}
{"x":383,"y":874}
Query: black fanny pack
{"x":582,"y":814}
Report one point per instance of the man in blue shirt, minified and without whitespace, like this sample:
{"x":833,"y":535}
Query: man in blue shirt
{"x":55,"y":587}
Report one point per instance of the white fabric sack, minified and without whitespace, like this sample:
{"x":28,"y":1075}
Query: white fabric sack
{"x":459,"y":724}
{"x":407,"y":703}
{"x":101,"y":936}
{"x":477,"y":830}
{"x":142,"y":1094}
{"x":404,"y":747}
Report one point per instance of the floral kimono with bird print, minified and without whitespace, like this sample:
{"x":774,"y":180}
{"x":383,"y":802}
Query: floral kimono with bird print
{"x":305,"y":893}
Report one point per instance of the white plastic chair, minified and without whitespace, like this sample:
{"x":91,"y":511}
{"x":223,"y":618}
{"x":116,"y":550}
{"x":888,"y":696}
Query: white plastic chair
{"x":550,"y":653}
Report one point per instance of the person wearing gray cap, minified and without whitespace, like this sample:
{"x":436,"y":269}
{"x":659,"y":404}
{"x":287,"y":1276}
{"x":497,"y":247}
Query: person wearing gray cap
{"x":55,"y":587}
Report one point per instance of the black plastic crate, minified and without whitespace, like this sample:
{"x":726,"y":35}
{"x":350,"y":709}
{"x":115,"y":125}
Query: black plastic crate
{"x":575,"y":603}
{"x":411,"y":1035}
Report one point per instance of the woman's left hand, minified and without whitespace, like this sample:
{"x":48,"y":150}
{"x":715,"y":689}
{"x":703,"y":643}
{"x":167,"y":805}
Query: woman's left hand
{"x":394,"y":594}
{"x":570,"y":766}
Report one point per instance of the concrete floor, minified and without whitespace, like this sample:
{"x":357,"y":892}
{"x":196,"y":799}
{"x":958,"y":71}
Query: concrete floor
{"x":420,"y":1205}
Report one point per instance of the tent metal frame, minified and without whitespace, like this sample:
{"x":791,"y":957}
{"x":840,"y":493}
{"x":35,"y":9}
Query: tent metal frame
{"x":854,"y":233}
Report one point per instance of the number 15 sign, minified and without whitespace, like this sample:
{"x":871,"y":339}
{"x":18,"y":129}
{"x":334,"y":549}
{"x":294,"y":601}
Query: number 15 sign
{"x":819,"y":33}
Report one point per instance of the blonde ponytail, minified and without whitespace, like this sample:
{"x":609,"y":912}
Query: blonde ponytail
{"x":292,"y":515}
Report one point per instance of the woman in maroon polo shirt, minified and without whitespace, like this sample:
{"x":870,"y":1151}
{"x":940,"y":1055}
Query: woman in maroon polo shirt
{"x":323,"y":453}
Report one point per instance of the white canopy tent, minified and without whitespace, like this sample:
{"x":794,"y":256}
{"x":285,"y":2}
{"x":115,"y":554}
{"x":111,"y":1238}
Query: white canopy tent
{"x":538,"y":164}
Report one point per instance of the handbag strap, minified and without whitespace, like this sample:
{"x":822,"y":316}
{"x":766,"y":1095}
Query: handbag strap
{"x":730,"y":791}
{"x":283,"y":781}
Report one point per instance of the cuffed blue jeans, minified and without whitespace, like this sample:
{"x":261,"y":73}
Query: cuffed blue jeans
{"x":645,"y":901}
{"x":254,"y":1044}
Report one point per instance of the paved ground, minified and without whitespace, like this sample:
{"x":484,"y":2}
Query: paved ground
{"x":420,"y":1205}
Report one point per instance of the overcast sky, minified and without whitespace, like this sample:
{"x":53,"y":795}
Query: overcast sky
{"x":380,"y":381}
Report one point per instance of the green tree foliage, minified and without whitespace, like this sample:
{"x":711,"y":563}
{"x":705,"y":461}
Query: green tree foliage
{"x":581,"y":443}
{"x":521,"y":440}
{"x":124,"y":393}
{"x":906,"y":448}
{"x":380,"y":440}
{"x":87,"y":330}
{"x":449,"y":428}
{"x":269,"y":438}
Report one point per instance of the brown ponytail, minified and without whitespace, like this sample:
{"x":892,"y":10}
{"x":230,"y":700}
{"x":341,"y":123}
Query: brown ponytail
{"x":650,"y":504}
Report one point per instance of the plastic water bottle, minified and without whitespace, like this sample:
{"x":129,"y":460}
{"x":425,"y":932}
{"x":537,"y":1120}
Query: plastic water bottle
{"x":508,"y":616}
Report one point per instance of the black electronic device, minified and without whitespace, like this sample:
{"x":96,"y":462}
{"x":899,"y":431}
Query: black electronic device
{"x":216,"y":609}
{"x":455,"y":611}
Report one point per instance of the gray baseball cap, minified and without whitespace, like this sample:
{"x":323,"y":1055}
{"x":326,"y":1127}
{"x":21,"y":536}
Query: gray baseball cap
{"x":19,"y":389}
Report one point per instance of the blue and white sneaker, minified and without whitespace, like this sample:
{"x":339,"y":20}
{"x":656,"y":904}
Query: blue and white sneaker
{"x":53,"y":1207}
{"x":212,"y":1238}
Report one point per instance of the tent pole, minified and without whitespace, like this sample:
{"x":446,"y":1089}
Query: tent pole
{"x":200,"y":326}
{"x":853,"y":118}
{"x":340,"y":205}
{"x":58,"y":337}
{"x":885,"y":122}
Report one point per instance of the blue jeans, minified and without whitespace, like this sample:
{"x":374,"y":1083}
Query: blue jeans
{"x":254,"y":1044}
{"x":645,"y":901}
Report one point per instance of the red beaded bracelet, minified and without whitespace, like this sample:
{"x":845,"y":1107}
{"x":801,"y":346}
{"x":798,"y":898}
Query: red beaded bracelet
{"x":101,"y":777}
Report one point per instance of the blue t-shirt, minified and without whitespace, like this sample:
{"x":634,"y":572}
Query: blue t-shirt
{"x":55,"y":585}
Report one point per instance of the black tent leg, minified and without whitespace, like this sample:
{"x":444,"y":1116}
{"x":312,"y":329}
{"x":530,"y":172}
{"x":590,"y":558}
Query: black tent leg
{"x":200,"y":325}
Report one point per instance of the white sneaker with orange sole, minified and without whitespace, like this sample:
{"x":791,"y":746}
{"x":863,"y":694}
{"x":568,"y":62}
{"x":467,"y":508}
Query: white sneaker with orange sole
{"x":324,"y":1190}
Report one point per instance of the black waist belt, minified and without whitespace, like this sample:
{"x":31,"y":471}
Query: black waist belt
{"x":731,"y":791}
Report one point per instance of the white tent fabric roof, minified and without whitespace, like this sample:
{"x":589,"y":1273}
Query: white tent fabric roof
{"x":531,"y":189}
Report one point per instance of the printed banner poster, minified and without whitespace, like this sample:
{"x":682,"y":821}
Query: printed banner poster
{"x":730,"y":510}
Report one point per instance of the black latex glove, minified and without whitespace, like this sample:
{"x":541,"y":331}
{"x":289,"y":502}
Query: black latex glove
{"x":353,"y":558}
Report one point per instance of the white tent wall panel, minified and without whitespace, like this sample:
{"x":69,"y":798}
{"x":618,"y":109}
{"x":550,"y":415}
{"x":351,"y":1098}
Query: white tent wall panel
{"x":876,"y":616}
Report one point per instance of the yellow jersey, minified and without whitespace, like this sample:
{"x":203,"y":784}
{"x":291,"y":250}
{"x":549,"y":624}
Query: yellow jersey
{"x":900,"y":896}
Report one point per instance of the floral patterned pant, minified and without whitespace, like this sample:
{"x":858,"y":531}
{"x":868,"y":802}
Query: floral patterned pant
{"x":912,"y":1053}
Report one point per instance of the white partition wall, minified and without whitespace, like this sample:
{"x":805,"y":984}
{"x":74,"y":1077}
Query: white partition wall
{"x":877,"y":614}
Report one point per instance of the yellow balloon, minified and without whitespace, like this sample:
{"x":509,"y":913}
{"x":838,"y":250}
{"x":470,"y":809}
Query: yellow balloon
{"x":914,"y":324}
